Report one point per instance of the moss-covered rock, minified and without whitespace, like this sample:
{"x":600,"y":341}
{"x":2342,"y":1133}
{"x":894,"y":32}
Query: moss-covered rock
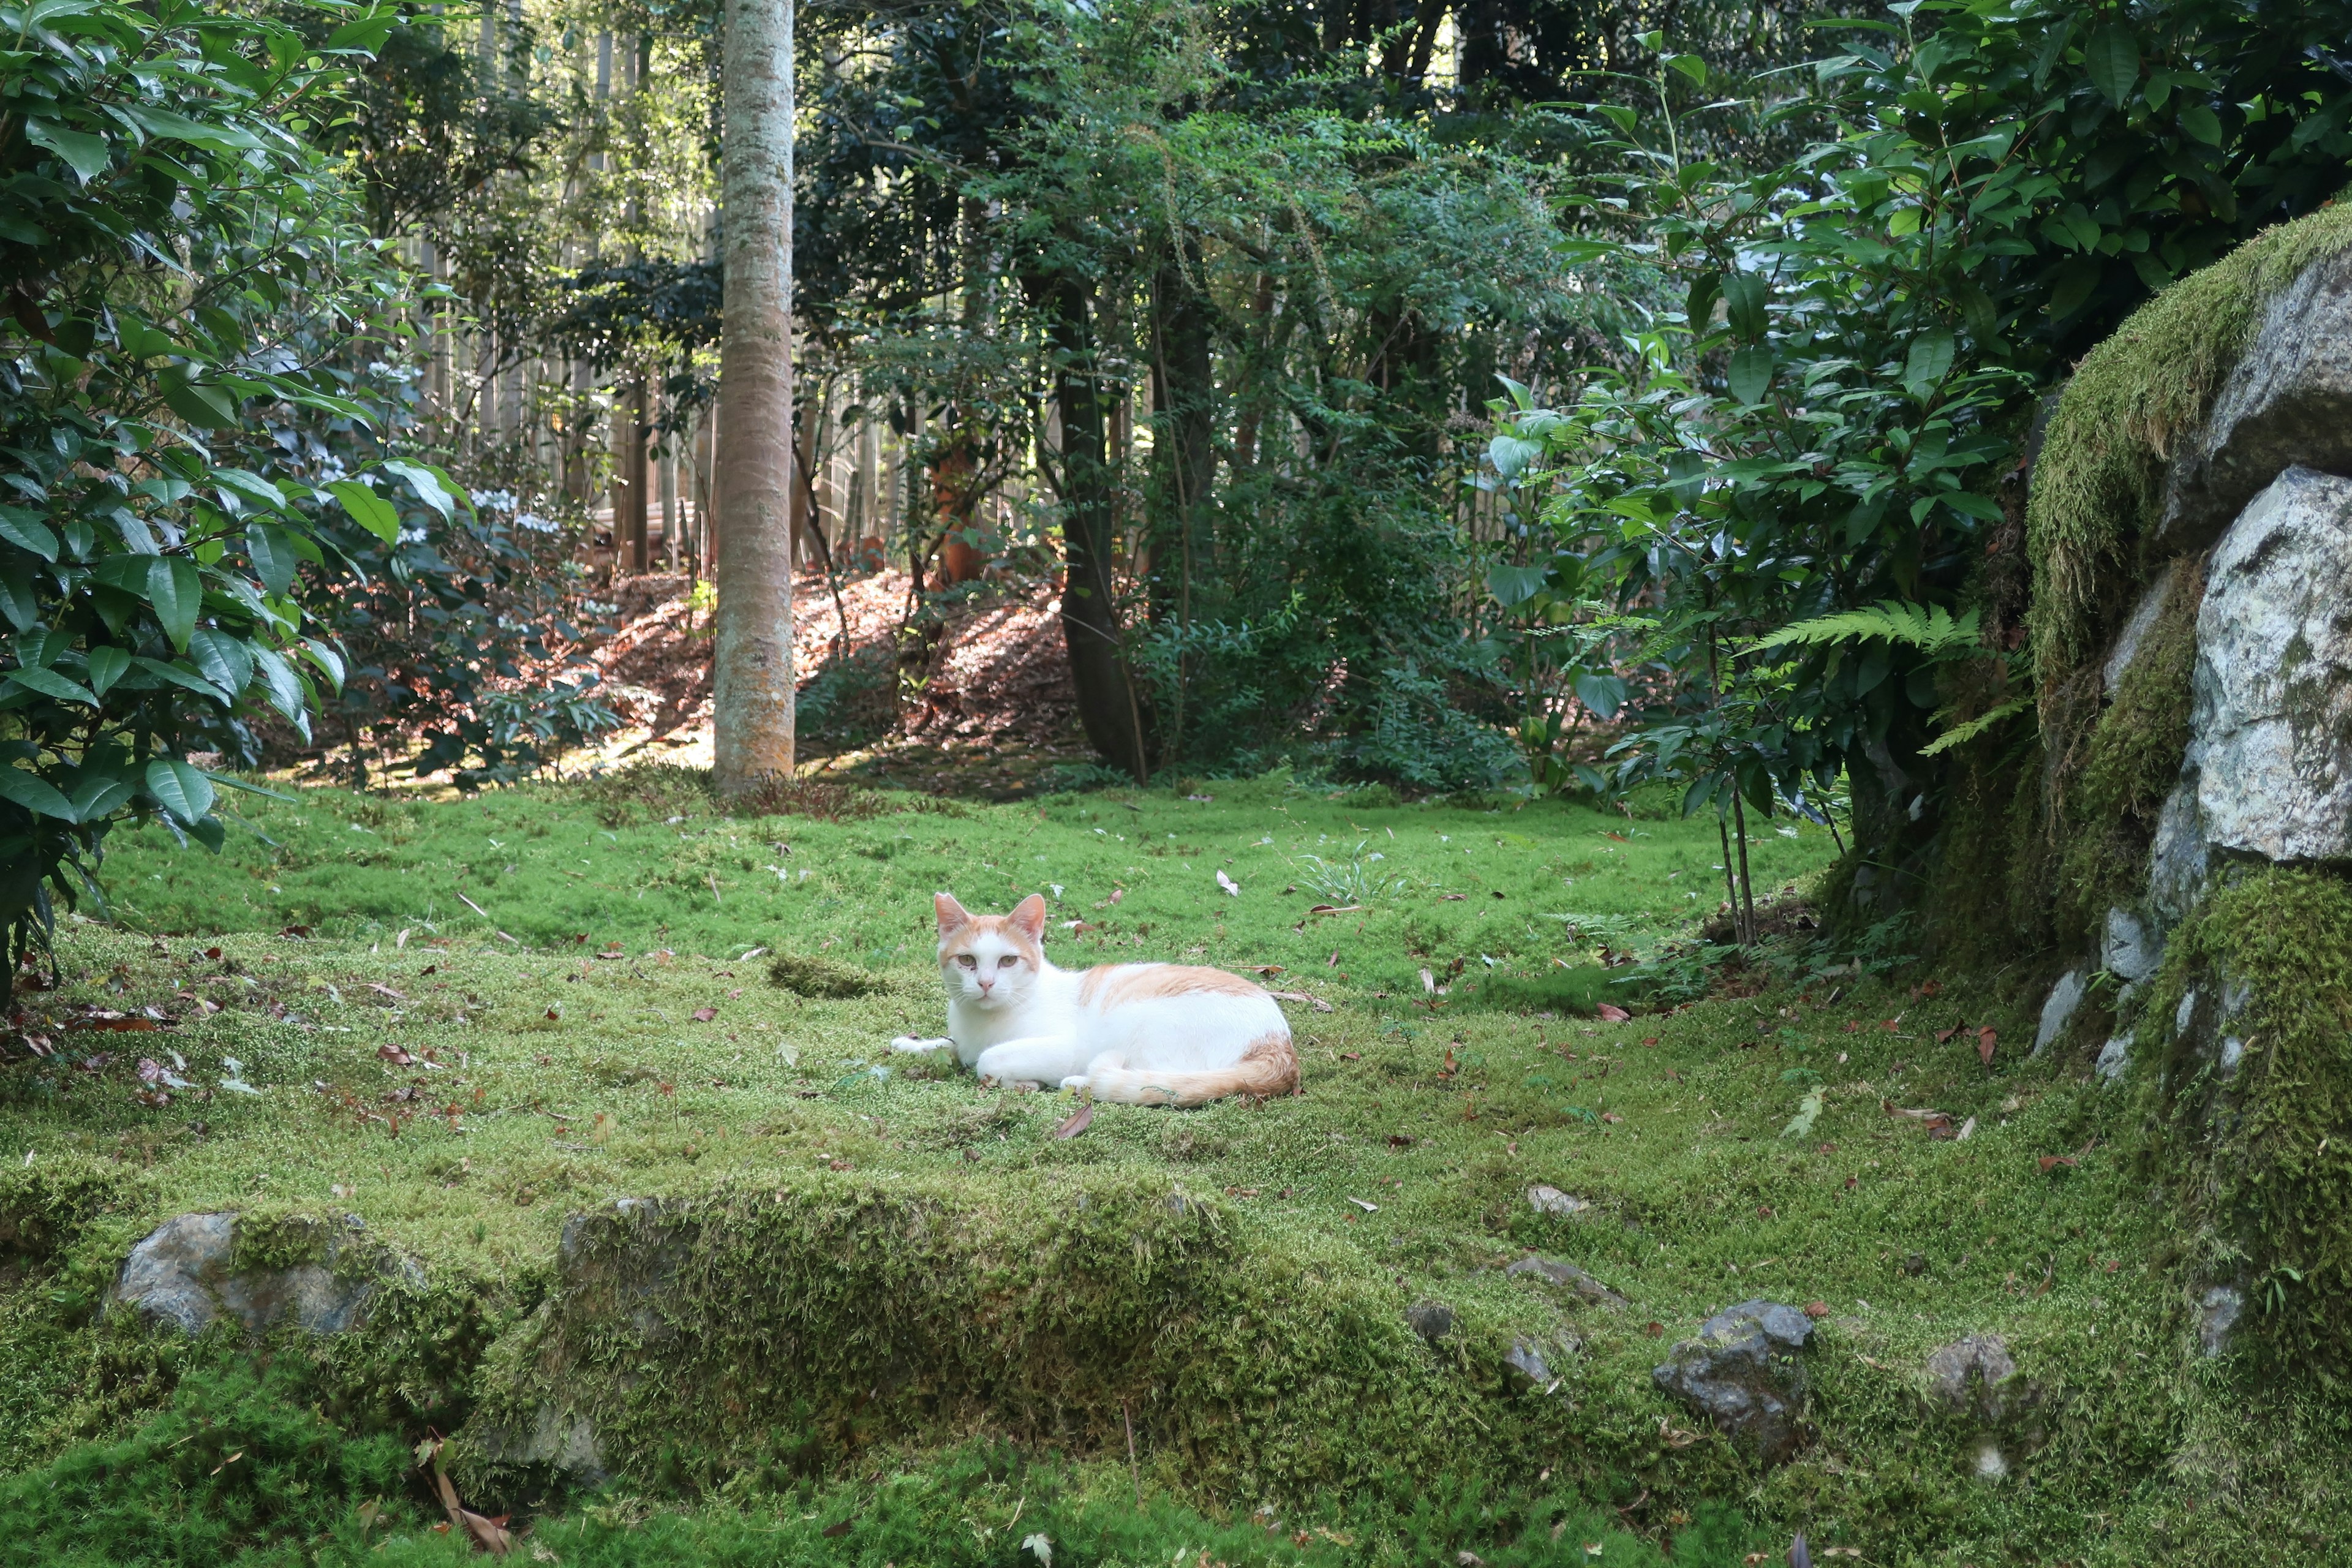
{"x":2246,"y":1064}
{"x":761,"y":1330}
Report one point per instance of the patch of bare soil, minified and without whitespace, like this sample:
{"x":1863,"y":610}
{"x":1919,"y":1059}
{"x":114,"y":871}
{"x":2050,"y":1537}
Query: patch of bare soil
{"x":974,"y":691}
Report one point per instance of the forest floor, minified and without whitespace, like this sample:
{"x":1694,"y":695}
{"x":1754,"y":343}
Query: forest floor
{"x":467,"y":1021}
{"x":979,"y":704}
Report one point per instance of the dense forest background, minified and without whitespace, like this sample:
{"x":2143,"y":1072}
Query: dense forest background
{"x":1549,"y":395}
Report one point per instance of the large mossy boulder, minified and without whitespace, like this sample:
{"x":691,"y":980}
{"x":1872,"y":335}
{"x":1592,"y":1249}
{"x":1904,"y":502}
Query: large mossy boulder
{"x":2179,"y":833}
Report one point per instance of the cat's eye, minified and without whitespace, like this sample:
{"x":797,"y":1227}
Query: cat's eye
{"x":1007,"y":962}
{"x":967,"y":961}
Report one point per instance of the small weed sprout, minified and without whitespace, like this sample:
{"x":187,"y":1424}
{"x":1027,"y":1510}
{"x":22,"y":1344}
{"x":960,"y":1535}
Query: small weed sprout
{"x":1352,"y":882}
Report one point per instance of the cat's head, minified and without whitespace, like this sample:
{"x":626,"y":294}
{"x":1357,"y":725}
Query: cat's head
{"x":990,"y":960}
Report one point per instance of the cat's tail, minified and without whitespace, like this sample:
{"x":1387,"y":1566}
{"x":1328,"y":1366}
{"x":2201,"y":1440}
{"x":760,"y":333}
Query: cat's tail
{"x":1268,"y":1067}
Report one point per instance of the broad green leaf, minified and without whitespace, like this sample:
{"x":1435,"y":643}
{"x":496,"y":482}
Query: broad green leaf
{"x":107,"y":664}
{"x":182,"y":675}
{"x":271,"y":549}
{"x":179,"y":127}
{"x":367,"y":508}
{"x":100,"y":794}
{"x":89,"y":156}
{"x":1603,"y":694}
{"x":1929,"y":359}
{"x":24,"y":528}
{"x":208,"y":406}
{"x":285,"y":688}
{"x":35,"y":794}
{"x":1691,"y":66}
{"x":1984,"y":509}
{"x":181,"y":788}
{"x":2112,"y":59}
{"x":2202,"y":123}
{"x":177,"y":593}
{"x":49,"y":683}
{"x":1749,"y":374}
{"x":1744,"y":297}
{"x":223,"y":659}
{"x":329,"y":662}
{"x":430,"y":484}
{"x":16,"y":601}
{"x":1515,"y":584}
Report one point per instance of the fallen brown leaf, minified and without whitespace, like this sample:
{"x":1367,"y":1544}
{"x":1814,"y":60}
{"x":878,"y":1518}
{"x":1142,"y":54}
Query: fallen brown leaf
{"x":704,"y":1014}
{"x":1985,"y":1038}
{"x":1079,"y":1121}
{"x":1317,"y":1002}
{"x":1613,"y":1014}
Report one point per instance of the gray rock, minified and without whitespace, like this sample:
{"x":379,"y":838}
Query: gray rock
{"x":2115,"y":1057}
{"x":2179,"y":860}
{"x":2217,"y":1311}
{"x":2271,"y":700}
{"x":183,"y":1275}
{"x":1744,"y":1373}
{"x":1553,"y":1201}
{"x":2288,"y":400}
{"x":561,"y":1440}
{"x":1566,"y":1276}
{"x":1534,"y":1363}
{"x":2130,"y":949}
{"x":2186,"y":1014}
{"x":2233,"y":1052}
{"x":2058,"y":1010}
{"x":1972,"y":1376}
{"x":1432,"y":1320}
{"x":2136,"y":629}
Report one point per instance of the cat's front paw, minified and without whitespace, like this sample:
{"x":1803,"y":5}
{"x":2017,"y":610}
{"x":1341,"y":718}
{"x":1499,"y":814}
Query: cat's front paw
{"x":1076,"y":1080}
{"x":913,"y":1046}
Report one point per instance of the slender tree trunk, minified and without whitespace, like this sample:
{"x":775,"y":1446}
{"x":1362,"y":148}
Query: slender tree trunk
{"x":753,"y":461}
{"x":1184,"y":400}
{"x":1109,"y":705}
{"x":635,"y":489}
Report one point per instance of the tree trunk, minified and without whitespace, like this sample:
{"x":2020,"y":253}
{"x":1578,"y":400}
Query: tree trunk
{"x":1109,"y":705}
{"x":635,"y":495}
{"x":753,"y":461}
{"x":1183,"y":453}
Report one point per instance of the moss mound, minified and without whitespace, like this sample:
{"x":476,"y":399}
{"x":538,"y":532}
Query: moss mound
{"x":756,"y":1330}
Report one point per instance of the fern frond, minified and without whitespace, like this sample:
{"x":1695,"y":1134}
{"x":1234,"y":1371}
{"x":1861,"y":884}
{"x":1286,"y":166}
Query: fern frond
{"x":1933,"y":629}
{"x":1960,"y":734}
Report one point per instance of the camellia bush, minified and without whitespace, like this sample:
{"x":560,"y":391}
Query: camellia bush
{"x":185,"y":276}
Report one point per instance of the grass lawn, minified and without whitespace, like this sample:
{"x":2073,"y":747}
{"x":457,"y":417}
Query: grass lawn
{"x":579,"y":979}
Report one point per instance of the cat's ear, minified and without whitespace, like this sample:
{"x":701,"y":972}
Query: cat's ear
{"x":1028,"y":917}
{"x":953,"y":917}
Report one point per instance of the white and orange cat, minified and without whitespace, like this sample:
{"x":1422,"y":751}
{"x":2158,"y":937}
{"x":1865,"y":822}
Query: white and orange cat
{"x":1144,"y":1034}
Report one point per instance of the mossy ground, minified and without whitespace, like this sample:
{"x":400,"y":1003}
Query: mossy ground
{"x":548,"y":1080}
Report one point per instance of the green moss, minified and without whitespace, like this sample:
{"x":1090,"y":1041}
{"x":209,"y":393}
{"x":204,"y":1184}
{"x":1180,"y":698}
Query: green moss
{"x":812,"y":974}
{"x":2099,"y":475}
{"x":2112,"y":783}
{"x":45,"y":1204}
{"x":2259,"y":1163}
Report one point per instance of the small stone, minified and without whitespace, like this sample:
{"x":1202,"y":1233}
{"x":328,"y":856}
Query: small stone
{"x":2113,"y":1058}
{"x":2233,"y":1051}
{"x":1527,"y":1364}
{"x":2186,"y":1014}
{"x":1970,"y":1375}
{"x":1432,"y":1320}
{"x":1916,"y":1264}
{"x":1567,"y":1275}
{"x":2217,"y":1318}
{"x":1992,"y":1463}
{"x":181,"y":1274}
{"x":1743,"y":1373}
{"x":1553,"y":1201}
{"x":2131,"y":951}
{"x":2058,"y":1010}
